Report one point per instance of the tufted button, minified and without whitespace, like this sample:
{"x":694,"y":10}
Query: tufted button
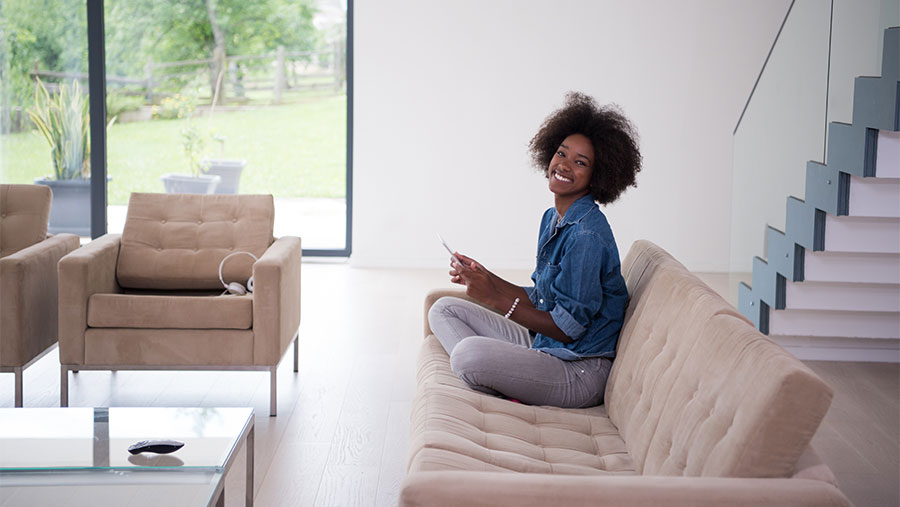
{"x":162,"y":221}
{"x":3,"y":215}
{"x":234,"y":220}
{"x":199,"y":222}
{"x":159,"y":249}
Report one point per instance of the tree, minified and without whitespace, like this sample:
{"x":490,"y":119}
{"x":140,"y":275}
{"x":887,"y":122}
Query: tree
{"x":200,"y":29}
{"x":53,"y":35}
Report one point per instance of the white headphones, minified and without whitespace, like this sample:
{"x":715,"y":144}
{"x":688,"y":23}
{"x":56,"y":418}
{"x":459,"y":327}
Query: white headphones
{"x":234,"y":287}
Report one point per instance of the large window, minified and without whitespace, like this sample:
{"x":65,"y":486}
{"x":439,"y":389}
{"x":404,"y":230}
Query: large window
{"x":203,"y":96}
{"x":44,"y":118}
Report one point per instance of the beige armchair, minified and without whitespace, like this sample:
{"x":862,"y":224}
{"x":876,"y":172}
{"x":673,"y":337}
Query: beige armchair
{"x":28,"y":295}
{"x":150,"y":298}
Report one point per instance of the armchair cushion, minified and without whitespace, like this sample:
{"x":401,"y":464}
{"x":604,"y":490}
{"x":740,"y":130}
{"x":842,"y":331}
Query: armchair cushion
{"x":176,"y":241}
{"x":24,"y":211}
{"x":170,"y":312}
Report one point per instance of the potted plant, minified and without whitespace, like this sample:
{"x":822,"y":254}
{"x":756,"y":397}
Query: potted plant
{"x":196,"y":182}
{"x":228,"y":170}
{"x":64,"y":121}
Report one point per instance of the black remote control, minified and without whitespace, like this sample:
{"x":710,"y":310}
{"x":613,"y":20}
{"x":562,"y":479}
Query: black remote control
{"x":157,"y":446}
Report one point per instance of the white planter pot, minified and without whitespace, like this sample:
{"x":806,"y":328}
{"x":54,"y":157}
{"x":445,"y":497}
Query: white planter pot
{"x":184,"y":184}
{"x":228,"y":170}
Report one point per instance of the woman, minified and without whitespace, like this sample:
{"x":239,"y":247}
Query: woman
{"x":553,"y":343}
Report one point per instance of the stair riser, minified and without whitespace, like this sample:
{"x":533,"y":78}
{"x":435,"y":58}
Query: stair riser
{"x":842,"y":297}
{"x":876,"y":235}
{"x":841,"y":267}
{"x":887,"y":159}
{"x":819,"y":348}
{"x":874,"y":197}
{"x":847,"y":324}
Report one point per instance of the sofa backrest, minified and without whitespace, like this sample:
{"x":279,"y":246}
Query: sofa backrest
{"x":176,"y":241}
{"x":695,"y":390}
{"x":24,"y":211}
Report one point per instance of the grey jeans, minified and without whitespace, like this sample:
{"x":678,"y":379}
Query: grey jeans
{"x":494,"y":355}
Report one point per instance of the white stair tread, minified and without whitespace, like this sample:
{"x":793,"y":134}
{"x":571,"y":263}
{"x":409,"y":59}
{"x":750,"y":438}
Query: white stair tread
{"x":887,"y":158}
{"x":862,"y":234}
{"x":862,"y":297}
{"x":851,"y":267}
{"x":874,"y":197}
{"x":834,"y":323}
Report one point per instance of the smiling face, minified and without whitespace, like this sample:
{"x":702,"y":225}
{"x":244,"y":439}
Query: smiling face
{"x":571,"y":168}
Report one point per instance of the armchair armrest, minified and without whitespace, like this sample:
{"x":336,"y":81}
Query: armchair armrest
{"x":28,"y":282}
{"x":87,"y":271}
{"x":451,"y":488}
{"x":276,"y":300}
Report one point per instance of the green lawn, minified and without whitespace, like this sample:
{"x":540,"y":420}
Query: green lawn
{"x":294,"y":150}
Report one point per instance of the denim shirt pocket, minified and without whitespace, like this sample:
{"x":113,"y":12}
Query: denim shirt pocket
{"x":543,"y":285}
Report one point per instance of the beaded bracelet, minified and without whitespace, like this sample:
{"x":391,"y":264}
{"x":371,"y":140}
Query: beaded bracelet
{"x":511,"y":309}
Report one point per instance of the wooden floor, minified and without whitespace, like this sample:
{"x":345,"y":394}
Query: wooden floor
{"x":340,"y":437}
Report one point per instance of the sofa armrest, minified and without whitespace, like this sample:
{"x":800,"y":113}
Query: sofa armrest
{"x":436,"y":294}
{"x":276,"y":300}
{"x":452,"y":488}
{"x":87,"y":271}
{"x":29,"y":311}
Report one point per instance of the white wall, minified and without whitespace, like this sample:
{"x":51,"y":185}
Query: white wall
{"x":448,"y":94}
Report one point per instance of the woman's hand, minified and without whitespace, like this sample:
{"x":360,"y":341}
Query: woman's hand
{"x":481,"y":284}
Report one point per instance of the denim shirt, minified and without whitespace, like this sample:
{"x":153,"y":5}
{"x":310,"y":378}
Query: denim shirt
{"x":578,"y":279}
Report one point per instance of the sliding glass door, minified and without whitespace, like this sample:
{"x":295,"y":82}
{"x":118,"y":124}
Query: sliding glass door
{"x":202,"y":96}
{"x":44,"y":114}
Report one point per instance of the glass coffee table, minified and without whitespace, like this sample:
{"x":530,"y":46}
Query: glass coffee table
{"x":79,"y":456}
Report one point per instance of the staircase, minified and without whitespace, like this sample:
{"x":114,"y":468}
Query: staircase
{"x":830,"y":287}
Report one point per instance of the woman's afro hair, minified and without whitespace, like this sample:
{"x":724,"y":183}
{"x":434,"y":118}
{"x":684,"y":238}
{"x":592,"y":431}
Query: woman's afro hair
{"x":617,"y":158}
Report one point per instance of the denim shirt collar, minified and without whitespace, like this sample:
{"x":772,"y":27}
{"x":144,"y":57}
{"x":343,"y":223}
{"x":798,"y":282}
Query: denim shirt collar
{"x":578,"y":210}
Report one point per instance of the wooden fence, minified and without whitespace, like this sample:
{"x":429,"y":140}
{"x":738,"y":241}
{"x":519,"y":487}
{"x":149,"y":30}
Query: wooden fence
{"x":279,"y":72}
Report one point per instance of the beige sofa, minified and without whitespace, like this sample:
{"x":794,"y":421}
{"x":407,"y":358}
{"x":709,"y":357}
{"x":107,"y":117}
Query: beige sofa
{"x":28,"y":293}
{"x":700,"y":409}
{"x":150,"y":297}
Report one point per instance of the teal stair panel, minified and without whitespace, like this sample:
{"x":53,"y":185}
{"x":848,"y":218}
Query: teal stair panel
{"x":876,"y":103}
{"x":852,"y":149}
{"x":827,"y":189}
{"x":876,"y":100}
{"x":768,"y":285}
{"x":751,"y":307}
{"x":747,"y":304}
{"x":890,"y":55}
{"x":805,"y":225}
{"x":784,"y":256}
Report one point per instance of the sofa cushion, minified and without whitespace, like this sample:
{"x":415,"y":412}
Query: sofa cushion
{"x":456,"y":428}
{"x":696,"y":390}
{"x":176,"y":241}
{"x":24,"y":211}
{"x":170,"y":312}
{"x":459,"y":429}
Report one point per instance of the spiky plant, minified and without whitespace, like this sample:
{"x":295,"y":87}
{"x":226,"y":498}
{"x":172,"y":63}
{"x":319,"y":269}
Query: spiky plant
{"x":64,"y":119}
